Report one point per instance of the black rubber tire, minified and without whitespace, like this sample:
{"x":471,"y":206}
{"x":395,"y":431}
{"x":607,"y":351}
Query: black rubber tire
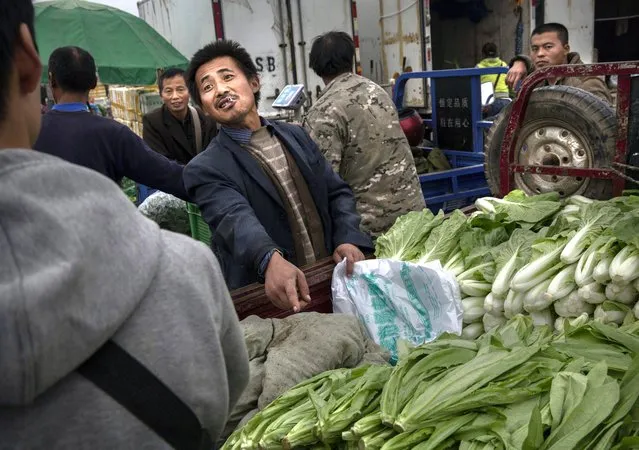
{"x":576,"y":110}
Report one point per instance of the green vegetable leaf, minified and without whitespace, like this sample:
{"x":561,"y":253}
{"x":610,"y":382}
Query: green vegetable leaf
{"x":626,"y":228}
{"x":477,"y":244}
{"x":404,"y":240}
{"x":535,"y":437}
{"x":629,"y":392}
{"x":519,"y":207}
{"x":567,"y":391}
{"x":443,"y":239}
{"x":520,"y":242}
{"x":444,"y":430}
{"x":584,"y":415}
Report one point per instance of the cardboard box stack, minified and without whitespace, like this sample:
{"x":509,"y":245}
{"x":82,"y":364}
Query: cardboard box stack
{"x":129,"y":104}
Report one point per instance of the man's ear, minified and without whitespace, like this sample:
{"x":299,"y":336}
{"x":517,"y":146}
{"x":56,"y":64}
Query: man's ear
{"x":27,"y":62}
{"x":255,"y":84}
{"x":566,"y":48}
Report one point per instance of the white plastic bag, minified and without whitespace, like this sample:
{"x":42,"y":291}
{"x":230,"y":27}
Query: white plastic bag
{"x":399,"y":300}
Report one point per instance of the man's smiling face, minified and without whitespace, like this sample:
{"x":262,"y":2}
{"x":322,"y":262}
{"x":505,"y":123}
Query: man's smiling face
{"x":226,"y":94}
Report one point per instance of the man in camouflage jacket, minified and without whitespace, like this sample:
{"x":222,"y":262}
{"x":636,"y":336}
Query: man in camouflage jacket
{"x":356,"y":126}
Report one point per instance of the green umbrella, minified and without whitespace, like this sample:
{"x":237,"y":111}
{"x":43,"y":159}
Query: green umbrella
{"x":126,"y":49}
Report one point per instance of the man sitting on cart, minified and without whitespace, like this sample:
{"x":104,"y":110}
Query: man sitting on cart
{"x":549,"y":47}
{"x":272,"y":199}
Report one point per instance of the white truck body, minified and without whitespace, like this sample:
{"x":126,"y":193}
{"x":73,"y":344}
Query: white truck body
{"x":409,"y":34}
{"x":268,"y":29}
{"x":579,"y":17}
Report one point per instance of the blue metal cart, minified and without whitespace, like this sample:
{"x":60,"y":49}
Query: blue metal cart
{"x":458,"y":130}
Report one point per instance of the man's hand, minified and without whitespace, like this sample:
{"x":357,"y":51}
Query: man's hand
{"x":352,"y":255}
{"x":285,"y":285}
{"x":516,"y":73}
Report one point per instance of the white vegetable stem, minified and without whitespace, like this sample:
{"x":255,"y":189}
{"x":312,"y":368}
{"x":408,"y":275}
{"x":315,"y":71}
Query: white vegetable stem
{"x":576,"y":246}
{"x":601,"y":274}
{"x":562,"y":284}
{"x":473,"y":309}
{"x":624,"y":267}
{"x":535,"y":300}
{"x":572,"y":306}
{"x":579,"y":200}
{"x":592,"y":293}
{"x":493,"y":305}
{"x":514,"y":304}
{"x":585,"y":268}
{"x":501,"y":285}
{"x":535,"y":271}
{"x":609,"y":313}
{"x":541,"y":318}
{"x":472,"y":331}
{"x":626,"y":294}
{"x":474,"y":288}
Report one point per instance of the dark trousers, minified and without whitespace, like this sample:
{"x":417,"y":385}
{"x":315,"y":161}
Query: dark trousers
{"x":490,"y":111}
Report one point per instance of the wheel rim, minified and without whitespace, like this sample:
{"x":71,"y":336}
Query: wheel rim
{"x":553,"y":144}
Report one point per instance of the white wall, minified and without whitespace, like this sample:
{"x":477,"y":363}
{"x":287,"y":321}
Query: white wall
{"x":188,"y":26}
{"x":579,"y":17}
{"x":370,"y":38}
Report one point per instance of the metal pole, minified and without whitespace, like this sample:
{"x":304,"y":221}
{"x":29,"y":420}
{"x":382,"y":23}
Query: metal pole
{"x":289,"y":32}
{"x":283,"y":40}
{"x":302,"y":45}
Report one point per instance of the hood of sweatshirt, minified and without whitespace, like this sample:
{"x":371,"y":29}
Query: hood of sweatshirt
{"x":65,"y":286}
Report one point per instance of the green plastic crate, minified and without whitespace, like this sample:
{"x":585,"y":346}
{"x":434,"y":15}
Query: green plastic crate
{"x":199,"y":228}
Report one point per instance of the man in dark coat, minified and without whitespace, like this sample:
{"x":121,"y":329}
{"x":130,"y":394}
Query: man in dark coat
{"x":177,"y":130}
{"x":271,"y":198}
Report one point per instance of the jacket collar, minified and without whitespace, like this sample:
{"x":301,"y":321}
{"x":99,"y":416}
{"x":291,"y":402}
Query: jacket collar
{"x":336,"y":80}
{"x":243,"y":135}
{"x":573,"y":58}
{"x":252,"y":166}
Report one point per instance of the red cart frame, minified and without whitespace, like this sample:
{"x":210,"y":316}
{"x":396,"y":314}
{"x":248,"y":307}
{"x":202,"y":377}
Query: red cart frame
{"x":507,"y":166}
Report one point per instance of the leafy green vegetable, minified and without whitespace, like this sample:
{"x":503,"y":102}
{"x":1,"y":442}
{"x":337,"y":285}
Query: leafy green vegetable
{"x":404,"y":240}
{"x":594,"y":218}
{"x":516,"y":387}
{"x":167,"y":211}
{"x":518,"y":207}
{"x":509,"y":257}
{"x":582,"y":411}
{"x":443,"y":239}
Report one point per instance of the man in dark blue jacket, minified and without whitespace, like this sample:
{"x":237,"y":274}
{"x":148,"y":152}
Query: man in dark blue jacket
{"x":69,"y":131}
{"x":272,"y":199}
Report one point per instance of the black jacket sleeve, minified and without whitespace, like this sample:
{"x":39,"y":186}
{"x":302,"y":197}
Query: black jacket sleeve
{"x":142,"y":165}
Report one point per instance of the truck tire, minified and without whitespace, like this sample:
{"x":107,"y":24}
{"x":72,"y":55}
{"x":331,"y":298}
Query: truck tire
{"x":563,"y":126}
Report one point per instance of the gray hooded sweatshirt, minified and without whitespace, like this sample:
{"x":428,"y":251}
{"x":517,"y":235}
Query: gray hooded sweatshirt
{"x":79,"y":266}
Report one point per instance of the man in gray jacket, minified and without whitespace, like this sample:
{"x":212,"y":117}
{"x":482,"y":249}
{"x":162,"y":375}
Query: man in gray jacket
{"x":107,"y":342}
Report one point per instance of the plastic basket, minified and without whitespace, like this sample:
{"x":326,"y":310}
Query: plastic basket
{"x":199,"y":228}
{"x":150,"y":101}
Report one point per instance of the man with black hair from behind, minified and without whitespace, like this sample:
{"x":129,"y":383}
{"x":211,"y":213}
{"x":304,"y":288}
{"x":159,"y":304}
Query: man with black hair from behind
{"x":71,"y":132}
